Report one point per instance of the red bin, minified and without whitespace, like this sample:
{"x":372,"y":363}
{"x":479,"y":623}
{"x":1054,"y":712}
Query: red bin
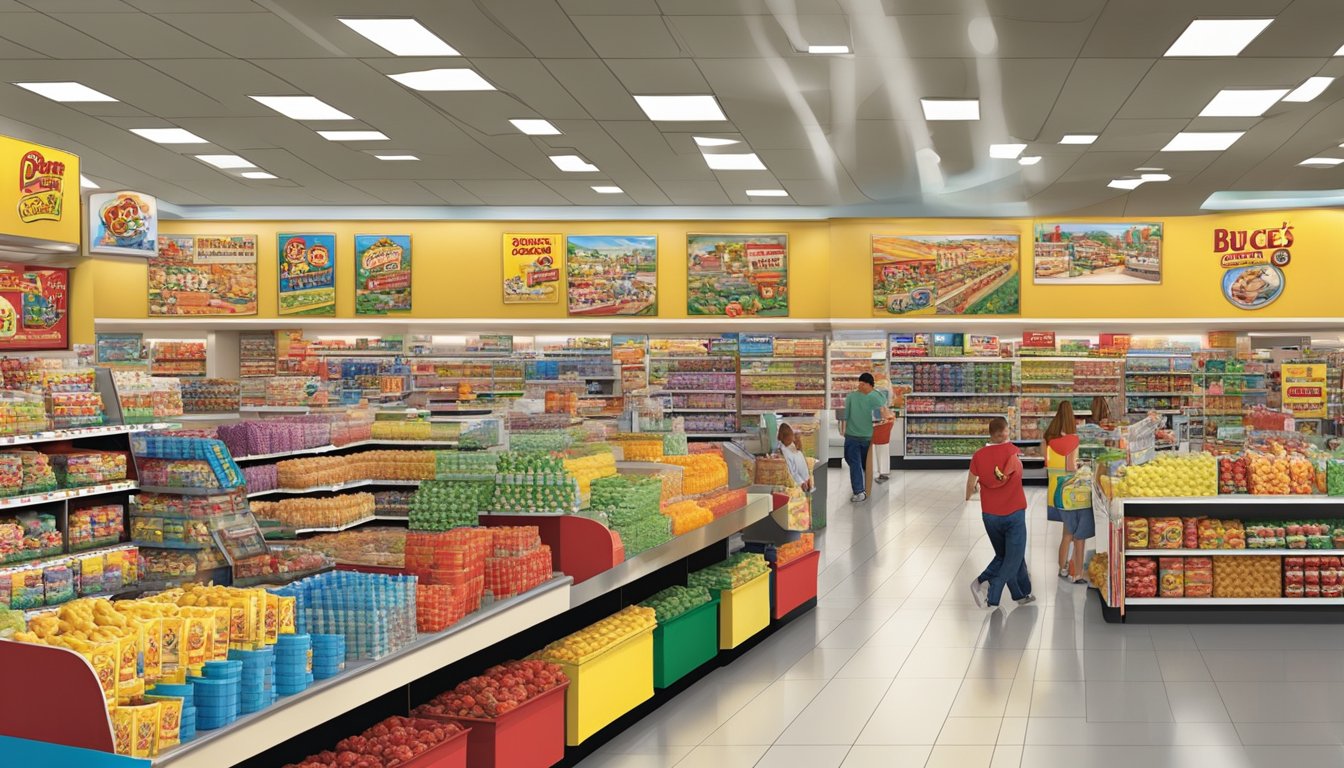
{"x":531,"y":736}
{"x":796,"y":583}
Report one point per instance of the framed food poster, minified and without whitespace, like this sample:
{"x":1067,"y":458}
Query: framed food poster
{"x":611,"y":275}
{"x":123,"y":223}
{"x":382,"y":274}
{"x":946,"y":275}
{"x":307,"y":271}
{"x":1112,"y":253}
{"x":737,"y":275}
{"x":203,"y":275}
{"x":34,"y":308}
{"x":532,"y":268}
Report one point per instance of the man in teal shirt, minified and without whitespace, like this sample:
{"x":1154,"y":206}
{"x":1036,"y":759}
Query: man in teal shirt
{"x":856,"y":424}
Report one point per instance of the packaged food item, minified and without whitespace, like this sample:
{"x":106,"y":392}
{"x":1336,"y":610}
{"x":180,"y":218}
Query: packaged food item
{"x":1165,"y":533}
{"x":1250,"y":576}
{"x":1140,"y":576}
{"x":1198,"y":577}
{"x":1171,"y":576}
{"x":1190,"y":533}
{"x":1136,"y":533}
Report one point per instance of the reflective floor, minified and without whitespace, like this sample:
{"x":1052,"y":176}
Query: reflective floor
{"x":897,"y":667}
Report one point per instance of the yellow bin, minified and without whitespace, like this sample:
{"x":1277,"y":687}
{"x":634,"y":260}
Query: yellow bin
{"x":607,"y":686}
{"x":744,"y":611}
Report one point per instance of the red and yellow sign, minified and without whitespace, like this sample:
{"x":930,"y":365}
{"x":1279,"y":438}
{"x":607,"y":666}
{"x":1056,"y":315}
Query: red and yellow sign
{"x":532,"y":268}
{"x":1304,"y":393}
{"x":40,"y":198}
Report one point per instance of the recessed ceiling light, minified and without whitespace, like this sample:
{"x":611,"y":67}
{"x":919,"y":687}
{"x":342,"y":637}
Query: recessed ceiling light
{"x":1322,"y":162}
{"x":168,"y":136}
{"x":302,"y":107}
{"x":1029,"y":160}
{"x":403,"y":37}
{"x":1155,"y":177}
{"x":1340,"y":52}
{"x":458,"y":79}
{"x":66,"y":91}
{"x":951,"y":109}
{"x":573,"y":164}
{"x":1006,"y":151}
{"x":745,"y":161}
{"x":1242,"y":103}
{"x":396,"y":157}
{"x":257,"y":175}
{"x":1310,"y":89}
{"x":601,"y":190}
{"x":767,"y":193}
{"x":225,"y":161}
{"x":680,"y":108}
{"x":1078,"y":138}
{"x":352,"y":135}
{"x":86,"y":183}
{"x":536,"y":127}
{"x":1125,"y":183}
{"x":1148,"y":169}
{"x":709,"y":141}
{"x":828,"y":49}
{"x":1217,"y":37}
{"x":1202,"y":141}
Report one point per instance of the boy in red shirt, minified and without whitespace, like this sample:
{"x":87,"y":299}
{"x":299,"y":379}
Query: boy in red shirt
{"x":997,"y":470}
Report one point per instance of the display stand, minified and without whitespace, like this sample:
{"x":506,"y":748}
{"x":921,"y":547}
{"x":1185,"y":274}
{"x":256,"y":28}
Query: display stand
{"x":52,"y":680}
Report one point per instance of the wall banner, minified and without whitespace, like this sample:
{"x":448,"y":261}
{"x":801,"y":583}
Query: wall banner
{"x":1304,"y":390}
{"x":34,"y":307}
{"x":611,"y":275}
{"x":737,"y":275}
{"x":1114,"y":253}
{"x":382,"y":274}
{"x":203,"y":275}
{"x":307,"y":271}
{"x":946,"y":275}
{"x":39,"y":195}
{"x":533,"y":265}
{"x":123,"y":223}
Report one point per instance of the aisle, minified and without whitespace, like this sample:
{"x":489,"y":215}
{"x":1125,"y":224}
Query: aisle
{"x":897,"y":667}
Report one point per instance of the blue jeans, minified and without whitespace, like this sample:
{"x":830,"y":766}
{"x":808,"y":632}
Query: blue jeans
{"x":856,"y":456}
{"x":1008,"y":535}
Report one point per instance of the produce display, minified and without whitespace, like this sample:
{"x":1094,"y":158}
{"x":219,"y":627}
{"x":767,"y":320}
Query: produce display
{"x":1248,"y":576}
{"x":705,"y":472}
{"x":1214,"y":533}
{"x":631,"y":504}
{"x":1282,"y":475}
{"x":1172,"y":474}
{"x":592,"y":640}
{"x":792,"y":550}
{"x":539,"y":442}
{"x":737,"y":570}
{"x":442,"y":504}
{"x":687,"y":515}
{"x":394,"y":741}
{"x":585,"y":469}
{"x":326,"y":512}
{"x":517,"y":561}
{"x":501,"y":689}
{"x":450,"y":463}
{"x":676,"y":601}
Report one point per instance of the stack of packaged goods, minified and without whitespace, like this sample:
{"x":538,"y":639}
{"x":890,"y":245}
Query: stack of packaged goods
{"x":256,"y":438}
{"x":724,"y":501}
{"x":22,"y":414}
{"x":375,"y":613}
{"x":369,"y":465}
{"x":207,"y":396}
{"x":530,"y":483}
{"x":450,"y":568}
{"x":687,"y":515}
{"x":279,"y":563}
{"x":328,"y":656}
{"x":737,"y":570}
{"x":464,"y":464}
{"x":381,"y":547}
{"x":501,"y":689}
{"x":401,"y":429}
{"x":792,"y":550}
{"x":631,"y":504}
{"x":592,"y":640}
{"x":440,"y":505}
{"x":95,"y":526}
{"x":82,"y":468}
{"x":327,"y":512}
{"x":547,"y":441}
{"x":392,"y":503}
{"x":28,"y":536}
{"x":260,"y":477}
{"x":518,"y":561}
{"x":24,"y":472}
{"x":72,"y":398}
{"x":638,"y":446}
{"x":170,"y":532}
{"x":59,"y":581}
{"x":180,"y":456}
{"x":585,"y":469}
{"x":705,"y":472}
{"x":676,"y":601}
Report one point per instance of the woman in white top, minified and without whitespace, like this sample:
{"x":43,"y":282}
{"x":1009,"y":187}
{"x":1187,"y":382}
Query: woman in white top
{"x":791,"y":448}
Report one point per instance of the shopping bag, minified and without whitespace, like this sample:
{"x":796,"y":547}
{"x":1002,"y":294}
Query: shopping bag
{"x":1071,"y":490}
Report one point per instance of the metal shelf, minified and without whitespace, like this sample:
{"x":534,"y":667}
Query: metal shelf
{"x":1241,"y":552}
{"x":65,"y":494}
{"x":965,"y":394}
{"x":1296,"y":602}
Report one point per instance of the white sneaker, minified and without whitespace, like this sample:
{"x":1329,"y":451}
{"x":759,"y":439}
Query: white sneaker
{"x":1064,"y":573}
{"x":858,"y":497}
{"x":979,"y":591}
{"x":1027,"y":600}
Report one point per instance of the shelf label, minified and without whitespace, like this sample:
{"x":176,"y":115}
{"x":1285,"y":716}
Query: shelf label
{"x":1038,"y":339}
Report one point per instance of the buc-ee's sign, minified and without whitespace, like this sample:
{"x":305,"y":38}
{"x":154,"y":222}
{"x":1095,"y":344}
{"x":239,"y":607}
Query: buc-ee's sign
{"x":1253,"y":262}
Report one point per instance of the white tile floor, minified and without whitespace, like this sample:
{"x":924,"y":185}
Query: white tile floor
{"x":897,"y":667}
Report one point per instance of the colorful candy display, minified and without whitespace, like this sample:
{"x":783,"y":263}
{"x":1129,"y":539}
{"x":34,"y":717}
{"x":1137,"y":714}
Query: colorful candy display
{"x":326,"y":512}
{"x":596,"y":638}
{"x":499,"y":690}
{"x":687,"y":515}
{"x":705,"y":472}
{"x":737,"y":570}
{"x":367,"y":465}
{"x":442,"y":504}
{"x":676,"y":601}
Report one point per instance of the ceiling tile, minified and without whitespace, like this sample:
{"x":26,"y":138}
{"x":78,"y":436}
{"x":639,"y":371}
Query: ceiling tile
{"x":48,"y":34}
{"x":617,"y":37}
{"x":645,"y":76}
{"x":521,"y":192}
{"x":140,"y":35}
{"x":249,"y":35}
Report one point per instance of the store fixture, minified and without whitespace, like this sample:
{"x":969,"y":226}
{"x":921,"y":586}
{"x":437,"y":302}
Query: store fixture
{"x":952,"y":399}
{"x":698,"y":378}
{"x":180,"y":358}
{"x":1159,"y":381}
{"x":784,"y":376}
{"x":847,"y":357}
{"x":1047,"y":381}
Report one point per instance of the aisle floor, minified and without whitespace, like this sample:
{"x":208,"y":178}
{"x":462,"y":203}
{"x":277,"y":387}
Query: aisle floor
{"x":897,"y":667}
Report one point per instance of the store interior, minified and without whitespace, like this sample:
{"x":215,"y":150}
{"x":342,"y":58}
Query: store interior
{"x":481,"y":385}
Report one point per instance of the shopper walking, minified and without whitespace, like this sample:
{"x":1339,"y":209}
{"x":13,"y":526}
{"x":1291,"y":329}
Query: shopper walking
{"x":863,"y":407}
{"x":997,"y":470}
{"x":1060,"y":446}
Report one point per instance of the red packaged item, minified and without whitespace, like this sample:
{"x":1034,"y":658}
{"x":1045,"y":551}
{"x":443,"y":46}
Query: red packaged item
{"x":1141,"y":577}
{"x":1190,"y":533}
{"x":1165,"y":533}
{"x":1171,"y":576}
{"x":1198,"y":577}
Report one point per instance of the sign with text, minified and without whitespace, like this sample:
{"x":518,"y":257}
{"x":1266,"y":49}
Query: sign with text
{"x":1038,"y":339}
{"x":1253,"y":262}
{"x":39,"y":195}
{"x":532,"y":268}
{"x":1304,"y":392}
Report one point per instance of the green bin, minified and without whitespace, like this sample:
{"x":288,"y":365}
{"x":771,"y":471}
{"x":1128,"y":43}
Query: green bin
{"x":685,"y":643}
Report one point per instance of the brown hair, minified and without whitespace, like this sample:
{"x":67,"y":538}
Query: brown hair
{"x":1101,"y":410}
{"x":785,"y":435}
{"x":1063,"y":423}
{"x":997,"y":426}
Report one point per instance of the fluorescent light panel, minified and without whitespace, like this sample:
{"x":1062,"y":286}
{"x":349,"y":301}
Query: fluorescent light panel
{"x":302,"y":107}
{"x":403,"y":37}
{"x":225,"y":161}
{"x":1006,"y":151}
{"x":745,"y":161}
{"x":396,"y":157}
{"x":709,"y":141}
{"x":680,"y":108}
{"x":951,"y":109}
{"x":168,"y":136}
{"x":257,"y":175}
{"x":1321,"y":162}
{"x":822,"y":49}
{"x":1310,"y":89}
{"x":1127,"y":184}
{"x":66,"y":91}
{"x":534,"y":127}
{"x":573,"y":164}
{"x":1078,"y":138}
{"x":767,"y":193}
{"x":1029,"y":160}
{"x":1155,"y":177}
{"x":456,"y":79}
{"x":86,"y":183}
{"x":1217,"y":37}
{"x":1202,"y":141}
{"x":607,"y":190}
{"x":1242,"y":103}
{"x":352,"y":135}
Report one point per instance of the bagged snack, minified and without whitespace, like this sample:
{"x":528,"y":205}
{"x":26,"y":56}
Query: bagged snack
{"x":1171,"y":576}
{"x":1190,"y":533}
{"x":1136,"y":533}
{"x":1141,"y":577}
{"x":1199,"y":577}
{"x":1165,"y":533}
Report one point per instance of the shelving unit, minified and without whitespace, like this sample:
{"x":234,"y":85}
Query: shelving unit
{"x":944,"y":414}
{"x":1224,"y":389}
{"x":1159,"y":380}
{"x":699,"y":378}
{"x":1046,"y":381}
{"x":783,"y":375}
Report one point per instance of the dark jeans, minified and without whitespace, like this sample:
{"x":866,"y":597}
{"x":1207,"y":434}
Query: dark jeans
{"x":1008,"y":535}
{"x":856,"y":456}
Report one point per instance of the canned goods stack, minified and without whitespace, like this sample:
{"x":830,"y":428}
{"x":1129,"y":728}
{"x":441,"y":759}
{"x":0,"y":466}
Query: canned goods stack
{"x":216,"y":699}
{"x":258,"y":678}
{"x":293,"y":664}
{"x":328,"y":656}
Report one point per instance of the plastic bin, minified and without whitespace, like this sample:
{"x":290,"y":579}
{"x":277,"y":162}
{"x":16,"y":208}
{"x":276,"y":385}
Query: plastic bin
{"x":744,"y":611}
{"x":607,"y":686}
{"x":531,"y":736}
{"x":450,"y":754}
{"x":795,"y":583}
{"x":685,"y":643}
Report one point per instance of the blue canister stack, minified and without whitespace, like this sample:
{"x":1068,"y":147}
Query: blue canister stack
{"x":293,"y":664}
{"x":258,"y":678}
{"x":328,"y":656}
{"x":216,"y":695}
{"x":187,"y":728}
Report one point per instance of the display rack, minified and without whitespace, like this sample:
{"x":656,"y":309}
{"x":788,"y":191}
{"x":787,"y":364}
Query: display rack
{"x":441,"y":378}
{"x":177,"y":358}
{"x":783,"y":375}
{"x":699,"y":378}
{"x":1225,"y":388}
{"x":849,"y":357}
{"x":1046,"y":381}
{"x":256,"y":354}
{"x":1159,"y":380}
{"x":952,"y":398}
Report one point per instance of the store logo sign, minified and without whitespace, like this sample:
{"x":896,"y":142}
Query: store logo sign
{"x":1253,"y":261}
{"x":41,"y":188}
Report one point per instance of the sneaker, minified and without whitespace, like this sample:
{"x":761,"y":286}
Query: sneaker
{"x":979,"y":591}
{"x":858,"y":497}
{"x":1064,"y":573}
{"x":1079,"y":580}
{"x":1027,"y":600}
{"x":882,"y":478}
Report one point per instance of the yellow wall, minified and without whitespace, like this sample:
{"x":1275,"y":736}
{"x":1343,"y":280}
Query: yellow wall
{"x":457,"y":266}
